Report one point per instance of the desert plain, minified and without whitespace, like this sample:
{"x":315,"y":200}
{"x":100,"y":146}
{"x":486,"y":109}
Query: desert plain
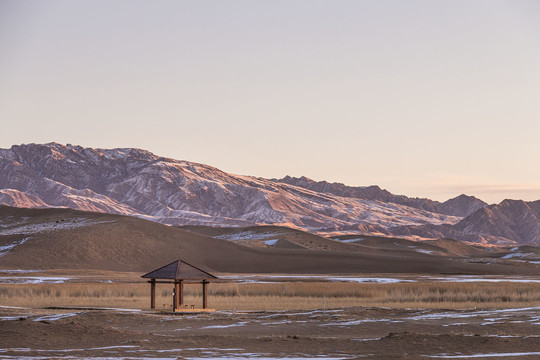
{"x":71,"y":288}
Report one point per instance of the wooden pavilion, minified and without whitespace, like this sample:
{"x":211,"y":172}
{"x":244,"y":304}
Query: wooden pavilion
{"x":178,"y":273}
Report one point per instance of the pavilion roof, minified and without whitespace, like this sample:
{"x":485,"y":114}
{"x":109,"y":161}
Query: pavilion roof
{"x":179,"y":270}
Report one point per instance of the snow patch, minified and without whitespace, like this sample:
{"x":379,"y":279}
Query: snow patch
{"x":242,"y":323}
{"x":7,"y":318}
{"x":355,"y":322}
{"x":55,"y":317}
{"x":246,"y":235}
{"x":255,"y":278}
{"x":33,"y":280}
{"x":28,"y":229}
{"x":6,"y":248}
{"x":474,"y":278}
{"x":250,"y":356}
{"x":516,"y":255}
{"x":375,"y":280}
{"x":483,"y":355}
{"x":351,"y":240}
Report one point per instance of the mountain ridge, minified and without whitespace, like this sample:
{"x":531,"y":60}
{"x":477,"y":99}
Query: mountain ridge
{"x":130,"y":181}
{"x":461,"y":205}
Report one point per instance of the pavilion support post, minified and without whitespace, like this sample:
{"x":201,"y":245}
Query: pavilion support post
{"x":204,"y":294}
{"x":181,"y":300}
{"x":153,"y":294}
{"x":176,"y":299}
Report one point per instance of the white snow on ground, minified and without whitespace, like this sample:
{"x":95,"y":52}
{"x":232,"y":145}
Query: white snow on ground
{"x":255,"y":356}
{"x":356,"y":322}
{"x":208,"y":353}
{"x":204,"y":350}
{"x":423,"y":251}
{"x":253,"y":281}
{"x":319,"y":277}
{"x":196,"y":349}
{"x":483,"y":355}
{"x":28,"y":229}
{"x":350,"y":240}
{"x":439,"y":316}
{"x":518,"y":255}
{"x":246,"y":235}
{"x":381,"y":280}
{"x":259,"y":356}
{"x":241,"y":323}
{"x":11,"y":307}
{"x":312,"y":313}
{"x":376,"y":280}
{"x":55,"y":317}
{"x":90,"y":349}
{"x":279,"y":322}
{"x":468,"y":278}
{"x":104,"y":348}
{"x":7,"y":318}
{"x":18,"y":271}
{"x":6,"y":248}
{"x":271,"y":242}
{"x":72,"y":357}
{"x":489,"y":316}
{"x":117,"y":309}
{"x":33,"y":280}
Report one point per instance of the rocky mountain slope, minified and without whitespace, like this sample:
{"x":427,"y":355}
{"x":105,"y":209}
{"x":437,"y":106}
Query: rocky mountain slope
{"x":462,"y":205}
{"x":137,"y":182}
{"x":512,"y":222}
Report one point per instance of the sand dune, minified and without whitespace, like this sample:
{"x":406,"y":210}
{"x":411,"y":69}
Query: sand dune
{"x":64,"y":238}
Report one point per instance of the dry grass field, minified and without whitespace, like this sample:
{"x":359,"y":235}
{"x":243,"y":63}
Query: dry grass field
{"x":280,"y":296}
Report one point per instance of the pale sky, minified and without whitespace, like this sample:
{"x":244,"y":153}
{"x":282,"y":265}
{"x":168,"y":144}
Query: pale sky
{"x":423,"y":98}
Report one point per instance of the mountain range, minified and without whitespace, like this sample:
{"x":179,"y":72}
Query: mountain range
{"x":136,"y":182}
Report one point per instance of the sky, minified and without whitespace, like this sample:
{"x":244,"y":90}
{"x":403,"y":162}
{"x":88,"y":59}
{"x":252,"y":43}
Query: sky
{"x":423,"y":98}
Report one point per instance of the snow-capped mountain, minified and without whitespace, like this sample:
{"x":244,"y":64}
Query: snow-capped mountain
{"x":137,"y":182}
{"x":462,"y":205}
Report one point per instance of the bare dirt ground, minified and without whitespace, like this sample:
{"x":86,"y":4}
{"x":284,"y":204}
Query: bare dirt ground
{"x":348,"y":333}
{"x":46,"y":254}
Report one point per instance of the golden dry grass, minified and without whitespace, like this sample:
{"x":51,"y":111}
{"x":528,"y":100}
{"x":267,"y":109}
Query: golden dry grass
{"x":279,"y":296}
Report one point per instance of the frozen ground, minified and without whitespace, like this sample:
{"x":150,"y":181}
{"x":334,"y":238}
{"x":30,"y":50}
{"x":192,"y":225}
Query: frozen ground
{"x":349,"y":333}
{"x":247,"y":235}
{"x":32,"y":279}
{"x":490,"y":355}
{"x":4,"y":249}
{"x":383,"y":280}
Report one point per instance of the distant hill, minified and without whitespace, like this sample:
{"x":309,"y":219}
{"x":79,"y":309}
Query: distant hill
{"x":512,"y":222}
{"x":70,"y":239}
{"x":138,"y":183}
{"x":511,"y":219}
{"x":461,"y":205}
